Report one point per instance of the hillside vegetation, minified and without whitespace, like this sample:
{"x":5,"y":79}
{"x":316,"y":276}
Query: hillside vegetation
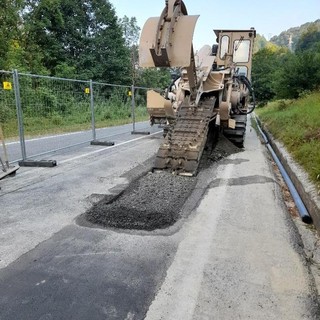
{"x":294,"y":33}
{"x":279,"y":73}
{"x":287,"y":88}
{"x":297,"y":124}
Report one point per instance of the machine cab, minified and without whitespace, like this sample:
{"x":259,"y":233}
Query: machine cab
{"x":235,"y":48}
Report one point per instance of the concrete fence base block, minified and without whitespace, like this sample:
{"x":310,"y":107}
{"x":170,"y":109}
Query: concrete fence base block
{"x":11,"y":171}
{"x":140,"y":132}
{"x":102,"y":143}
{"x":38,"y":163}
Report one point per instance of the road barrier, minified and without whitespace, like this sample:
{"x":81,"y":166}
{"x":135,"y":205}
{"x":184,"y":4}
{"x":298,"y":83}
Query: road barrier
{"x":35,"y":106}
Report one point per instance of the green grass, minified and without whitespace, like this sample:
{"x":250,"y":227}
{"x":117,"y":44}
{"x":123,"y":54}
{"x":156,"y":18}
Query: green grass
{"x":297,"y":124}
{"x":57,"y":123}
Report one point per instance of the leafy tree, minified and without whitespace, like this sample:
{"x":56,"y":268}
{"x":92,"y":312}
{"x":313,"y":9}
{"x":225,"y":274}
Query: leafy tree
{"x":45,"y":25}
{"x":10,"y":32}
{"x":299,"y":73}
{"x":131,"y":32}
{"x":80,"y":36}
{"x":106,"y":57}
{"x":266,"y":63}
{"x":158,"y":78}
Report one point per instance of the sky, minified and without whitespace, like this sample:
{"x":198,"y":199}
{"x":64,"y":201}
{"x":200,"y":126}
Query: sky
{"x":268,"y":17}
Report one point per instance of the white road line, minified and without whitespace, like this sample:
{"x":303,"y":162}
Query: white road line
{"x":88,"y":254}
{"x":48,"y":137}
{"x":65,"y":134}
{"x":106,"y":148}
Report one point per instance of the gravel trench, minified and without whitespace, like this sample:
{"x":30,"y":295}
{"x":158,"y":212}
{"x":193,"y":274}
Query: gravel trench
{"x":154,"y":200}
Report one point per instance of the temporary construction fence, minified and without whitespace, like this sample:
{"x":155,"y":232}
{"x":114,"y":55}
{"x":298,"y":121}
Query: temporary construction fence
{"x":34,"y":106}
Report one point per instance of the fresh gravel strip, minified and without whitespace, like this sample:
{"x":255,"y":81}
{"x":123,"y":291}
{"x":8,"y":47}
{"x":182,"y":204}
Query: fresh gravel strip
{"x":151,"y":202}
{"x":154,"y":200}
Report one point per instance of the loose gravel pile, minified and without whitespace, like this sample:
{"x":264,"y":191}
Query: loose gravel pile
{"x":154,"y":200}
{"x":223,"y":148}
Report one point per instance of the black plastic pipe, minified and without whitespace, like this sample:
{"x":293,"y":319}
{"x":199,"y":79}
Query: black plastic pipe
{"x":303,"y":212}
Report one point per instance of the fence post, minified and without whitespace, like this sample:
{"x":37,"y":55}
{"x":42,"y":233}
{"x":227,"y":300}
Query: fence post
{"x":93,"y":122}
{"x":133,"y":106}
{"x":94,"y":141}
{"x":132,"y":109}
{"x":19,"y":114}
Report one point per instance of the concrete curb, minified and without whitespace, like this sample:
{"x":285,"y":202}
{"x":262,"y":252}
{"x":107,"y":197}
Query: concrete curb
{"x":300,"y":179}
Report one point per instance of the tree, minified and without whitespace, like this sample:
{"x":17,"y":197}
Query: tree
{"x":266,"y":63}
{"x":10,"y":33}
{"x":79,"y":36}
{"x":131,"y":32}
{"x":106,"y":57}
{"x":158,"y":78}
{"x":299,"y":73}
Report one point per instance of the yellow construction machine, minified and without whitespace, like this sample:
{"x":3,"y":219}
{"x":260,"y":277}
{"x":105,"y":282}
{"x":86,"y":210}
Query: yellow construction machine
{"x":212,"y":90}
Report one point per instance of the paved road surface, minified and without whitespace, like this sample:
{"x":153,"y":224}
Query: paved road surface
{"x":235,"y":255}
{"x":45,"y":145}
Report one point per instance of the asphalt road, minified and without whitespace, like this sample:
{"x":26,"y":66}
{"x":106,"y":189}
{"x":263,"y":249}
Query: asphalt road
{"x":45,"y":147}
{"x":234,"y":254}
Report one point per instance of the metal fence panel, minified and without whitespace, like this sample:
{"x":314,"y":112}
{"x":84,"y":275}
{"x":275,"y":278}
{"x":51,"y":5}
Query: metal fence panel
{"x":8,"y":116}
{"x":141,"y":103}
{"x":140,"y":110}
{"x":53,"y":108}
{"x":111,"y":108}
{"x":42,"y":114}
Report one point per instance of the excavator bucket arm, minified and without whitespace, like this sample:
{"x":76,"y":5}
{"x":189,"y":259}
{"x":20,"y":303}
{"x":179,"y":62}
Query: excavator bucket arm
{"x":166,"y":41}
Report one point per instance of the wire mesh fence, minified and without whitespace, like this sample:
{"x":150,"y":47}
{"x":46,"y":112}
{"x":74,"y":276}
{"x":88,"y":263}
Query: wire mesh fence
{"x":51,"y":107}
{"x":42,"y":114}
{"x":52,"y":104}
{"x":112,"y":106}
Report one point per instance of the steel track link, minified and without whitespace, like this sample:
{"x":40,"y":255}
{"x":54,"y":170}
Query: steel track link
{"x":183,"y":146}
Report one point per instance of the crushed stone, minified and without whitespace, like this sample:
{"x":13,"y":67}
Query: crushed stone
{"x":154,"y":200}
{"x":151,"y":202}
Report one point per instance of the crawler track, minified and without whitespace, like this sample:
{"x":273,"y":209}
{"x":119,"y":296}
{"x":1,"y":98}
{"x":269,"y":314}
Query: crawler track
{"x":183,"y":146}
{"x":237,"y":135}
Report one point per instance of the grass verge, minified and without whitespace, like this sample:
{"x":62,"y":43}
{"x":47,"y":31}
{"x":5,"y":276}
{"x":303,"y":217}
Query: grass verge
{"x":297,"y":124}
{"x":54,"y":124}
